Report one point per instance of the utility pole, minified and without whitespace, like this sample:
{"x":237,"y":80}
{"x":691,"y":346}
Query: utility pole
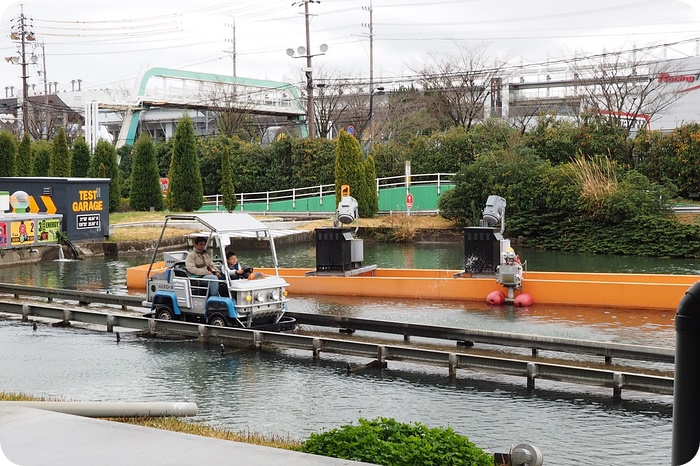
{"x":21,"y":32}
{"x":233,"y":42}
{"x":46,"y":94}
{"x":370,"y":26}
{"x":309,"y":77}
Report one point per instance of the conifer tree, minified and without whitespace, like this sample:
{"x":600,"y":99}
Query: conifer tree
{"x":23,"y":163}
{"x":41,"y":158}
{"x":348,"y":165}
{"x":185,"y":189}
{"x":80,"y":160}
{"x":104,"y":165}
{"x":370,"y":198}
{"x":8,"y":153}
{"x":60,"y":156}
{"x":145,"y":180}
{"x":227,"y":188}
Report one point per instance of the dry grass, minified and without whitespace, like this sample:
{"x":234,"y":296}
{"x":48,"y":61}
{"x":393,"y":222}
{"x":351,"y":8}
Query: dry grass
{"x":388,"y":221}
{"x":177,"y":425}
{"x":139,"y":233}
{"x":118,"y":218}
{"x":597,"y":178}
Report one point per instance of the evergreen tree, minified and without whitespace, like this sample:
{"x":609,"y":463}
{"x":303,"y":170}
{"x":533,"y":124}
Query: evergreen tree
{"x":185,"y":189}
{"x":370,"y":198}
{"x":348,"y":166}
{"x":80,"y":160}
{"x":227,"y":189}
{"x":145,"y":181}
{"x":23,"y":162}
{"x":60,"y":156}
{"x":104,"y":165}
{"x":8,"y":153}
{"x":41,"y":158}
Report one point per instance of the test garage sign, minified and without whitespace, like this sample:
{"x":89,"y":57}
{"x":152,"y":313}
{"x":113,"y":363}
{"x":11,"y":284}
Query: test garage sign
{"x":89,"y":201}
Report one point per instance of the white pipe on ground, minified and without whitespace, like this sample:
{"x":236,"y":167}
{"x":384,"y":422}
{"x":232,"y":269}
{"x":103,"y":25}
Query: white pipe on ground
{"x":112,"y":409}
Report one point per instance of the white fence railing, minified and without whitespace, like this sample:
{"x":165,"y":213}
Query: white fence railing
{"x":295,"y":194}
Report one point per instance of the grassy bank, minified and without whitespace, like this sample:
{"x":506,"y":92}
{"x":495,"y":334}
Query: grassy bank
{"x":178,"y":425}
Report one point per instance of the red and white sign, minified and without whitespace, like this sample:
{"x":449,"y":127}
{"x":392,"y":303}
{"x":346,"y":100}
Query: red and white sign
{"x":409,"y":200}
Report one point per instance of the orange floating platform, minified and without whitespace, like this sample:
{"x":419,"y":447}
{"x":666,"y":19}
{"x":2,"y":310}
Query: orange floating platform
{"x":615,"y":290}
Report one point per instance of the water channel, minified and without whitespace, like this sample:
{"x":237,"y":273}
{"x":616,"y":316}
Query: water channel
{"x":286,"y":394}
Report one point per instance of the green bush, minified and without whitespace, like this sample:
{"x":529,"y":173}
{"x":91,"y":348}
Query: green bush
{"x":389,"y":442}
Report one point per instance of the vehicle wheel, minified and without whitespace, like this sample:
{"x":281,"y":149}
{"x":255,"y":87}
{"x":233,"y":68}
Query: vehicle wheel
{"x":218,"y":320}
{"x":164,"y":313}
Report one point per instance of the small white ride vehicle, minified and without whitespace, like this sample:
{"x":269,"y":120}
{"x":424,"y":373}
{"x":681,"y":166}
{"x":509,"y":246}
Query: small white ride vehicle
{"x":250,"y":303}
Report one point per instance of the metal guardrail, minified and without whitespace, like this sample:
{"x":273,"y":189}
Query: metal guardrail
{"x":617,"y":380}
{"x":606,"y":349}
{"x":381,"y":353}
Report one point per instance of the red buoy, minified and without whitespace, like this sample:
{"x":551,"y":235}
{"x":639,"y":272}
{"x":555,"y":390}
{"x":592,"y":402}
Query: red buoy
{"x":496,"y":298}
{"x":522,"y":300}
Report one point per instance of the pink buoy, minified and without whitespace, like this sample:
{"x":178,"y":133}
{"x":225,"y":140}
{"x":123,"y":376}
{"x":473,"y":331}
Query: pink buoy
{"x":522,"y":300}
{"x":496,"y":298}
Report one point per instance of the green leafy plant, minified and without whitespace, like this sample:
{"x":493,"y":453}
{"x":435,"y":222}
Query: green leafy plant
{"x":389,"y":442}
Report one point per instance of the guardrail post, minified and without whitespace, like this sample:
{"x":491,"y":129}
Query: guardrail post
{"x":257,"y":339}
{"x":316,"y":349}
{"x":453,"y":362}
{"x":25,"y":312}
{"x":618,"y":383}
{"x":111,"y":320}
{"x":532,"y":374}
{"x":67,"y":316}
{"x":203,"y":331}
{"x":151,"y":326}
{"x":686,"y":404}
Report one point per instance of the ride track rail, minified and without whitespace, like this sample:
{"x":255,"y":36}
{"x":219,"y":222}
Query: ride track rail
{"x":379,"y":353}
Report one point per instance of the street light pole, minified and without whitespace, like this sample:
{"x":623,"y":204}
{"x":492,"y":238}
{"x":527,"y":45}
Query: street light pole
{"x":379,"y":90}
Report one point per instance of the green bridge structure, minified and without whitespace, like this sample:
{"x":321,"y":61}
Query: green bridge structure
{"x":425,"y":190}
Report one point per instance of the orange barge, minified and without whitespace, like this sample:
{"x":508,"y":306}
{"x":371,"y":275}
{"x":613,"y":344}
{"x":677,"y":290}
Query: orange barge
{"x":615,"y":290}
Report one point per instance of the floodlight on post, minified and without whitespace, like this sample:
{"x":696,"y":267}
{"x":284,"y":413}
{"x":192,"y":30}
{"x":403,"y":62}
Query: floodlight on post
{"x":305,"y":52}
{"x":21,"y":32}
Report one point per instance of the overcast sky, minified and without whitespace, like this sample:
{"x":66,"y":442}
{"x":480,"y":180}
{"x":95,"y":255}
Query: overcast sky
{"x":108,"y":44}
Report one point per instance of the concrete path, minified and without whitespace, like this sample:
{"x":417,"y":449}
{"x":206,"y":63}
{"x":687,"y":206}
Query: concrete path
{"x":30,"y":437}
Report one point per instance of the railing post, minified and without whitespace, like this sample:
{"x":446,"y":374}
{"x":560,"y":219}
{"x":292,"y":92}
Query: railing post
{"x":320,"y":194}
{"x":294,"y":198}
{"x":438,"y":182}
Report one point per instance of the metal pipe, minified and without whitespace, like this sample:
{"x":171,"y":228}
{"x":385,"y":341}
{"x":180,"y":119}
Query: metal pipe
{"x":686,"y":404}
{"x":112,"y":409}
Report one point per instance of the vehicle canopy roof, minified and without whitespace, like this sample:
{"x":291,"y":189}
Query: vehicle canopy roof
{"x":224,"y":223}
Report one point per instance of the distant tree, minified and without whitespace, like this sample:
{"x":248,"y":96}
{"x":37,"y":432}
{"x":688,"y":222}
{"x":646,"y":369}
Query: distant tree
{"x":145,"y":181}
{"x":24,"y":156}
{"x":313,"y":161}
{"x":370,"y":199}
{"x":104,"y":165}
{"x":185,"y":181}
{"x":231,"y":109}
{"x":348,"y":166}
{"x":331,"y":104}
{"x":41,"y":158}
{"x":60,"y":156}
{"x":80,"y":160}
{"x":459,"y":85}
{"x":8,"y":153}
{"x":227,"y":189}
{"x":623,"y":89}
